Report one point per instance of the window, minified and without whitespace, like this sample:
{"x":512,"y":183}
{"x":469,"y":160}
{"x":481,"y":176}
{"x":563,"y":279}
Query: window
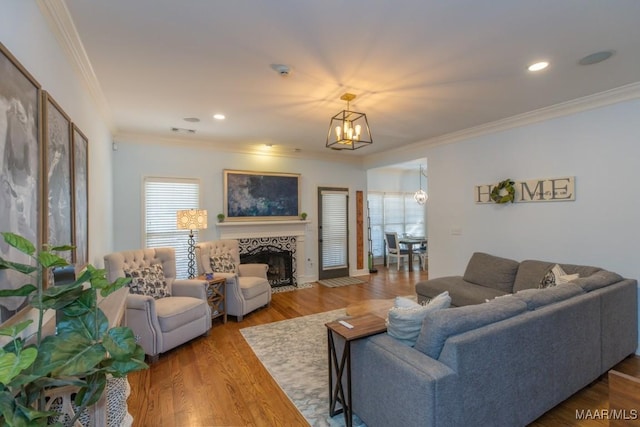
{"x":397,"y":212}
{"x":163,"y":197}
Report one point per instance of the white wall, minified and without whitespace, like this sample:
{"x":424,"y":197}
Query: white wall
{"x":136,"y":159}
{"x":25,"y":32}
{"x":601,"y":227}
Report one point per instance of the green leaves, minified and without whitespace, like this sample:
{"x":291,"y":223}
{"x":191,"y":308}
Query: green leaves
{"x":12,"y":364}
{"x":83,"y":350}
{"x":22,"y":291}
{"x":503,"y":192}
{"x":19,"y":242}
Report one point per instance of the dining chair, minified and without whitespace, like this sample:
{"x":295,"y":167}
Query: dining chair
{"x":422,"y":255}
{"x":393,"y":249}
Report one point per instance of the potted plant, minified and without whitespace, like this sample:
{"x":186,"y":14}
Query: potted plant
{"x":220,"y":217}
{"x":83,"y":352}
{"x":303,"y":216}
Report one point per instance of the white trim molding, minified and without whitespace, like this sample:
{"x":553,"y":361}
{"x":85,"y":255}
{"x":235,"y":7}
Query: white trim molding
{"x":62,"y":26}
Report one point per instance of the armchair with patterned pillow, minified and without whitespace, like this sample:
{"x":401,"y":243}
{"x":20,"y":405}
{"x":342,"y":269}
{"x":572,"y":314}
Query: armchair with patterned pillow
{"x":247,"y":284}
{"x":162,"y":311}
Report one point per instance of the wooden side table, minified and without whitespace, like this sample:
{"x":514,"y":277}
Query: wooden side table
{"x":363,"y":326}
{"x":216,"y":295}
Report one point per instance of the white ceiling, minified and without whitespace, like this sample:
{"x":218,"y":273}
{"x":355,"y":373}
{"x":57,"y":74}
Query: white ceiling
{"x":420,"y":68}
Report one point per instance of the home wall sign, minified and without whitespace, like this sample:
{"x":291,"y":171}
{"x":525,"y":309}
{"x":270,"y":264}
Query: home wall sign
{"x":533,"y":190}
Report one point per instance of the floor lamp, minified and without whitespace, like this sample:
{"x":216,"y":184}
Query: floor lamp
{"x":192,"y":219}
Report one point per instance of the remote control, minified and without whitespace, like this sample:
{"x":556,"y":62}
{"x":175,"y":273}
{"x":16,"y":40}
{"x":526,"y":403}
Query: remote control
{"x":345,"y":324}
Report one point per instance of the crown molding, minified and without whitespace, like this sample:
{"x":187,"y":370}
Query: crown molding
{"x":255,"y":149}
{"x":590,"y":102}
{"x":57,"y":15}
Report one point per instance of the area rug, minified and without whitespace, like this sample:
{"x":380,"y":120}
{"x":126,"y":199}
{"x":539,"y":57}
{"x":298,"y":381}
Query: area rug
{"x":294,"y":352}
{"x":289,"y":288}
{"x":341,"y":281}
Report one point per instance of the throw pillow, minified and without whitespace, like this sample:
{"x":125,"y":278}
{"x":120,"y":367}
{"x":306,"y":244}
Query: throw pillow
{"x":148,"y":281}
{"x":223,"y":264}
{"x":556,"y":276}
{"x":406,"y":317}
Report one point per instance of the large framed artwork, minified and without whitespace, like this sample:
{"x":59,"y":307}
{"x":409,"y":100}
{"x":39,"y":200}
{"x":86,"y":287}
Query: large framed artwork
{"x":57,"y":161}
{"x":20,"y":177}
{"x":80,"y":185}
{"x":261,"y":195}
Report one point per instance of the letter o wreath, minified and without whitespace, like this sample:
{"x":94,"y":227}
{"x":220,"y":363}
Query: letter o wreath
{"x":498,"y":197}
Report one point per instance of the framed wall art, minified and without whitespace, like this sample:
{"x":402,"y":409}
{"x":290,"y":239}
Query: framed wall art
{"x":20,"y":177}
{"x":80,"y":203}
{"x":57,"y":184}
{"x":261,"y":195}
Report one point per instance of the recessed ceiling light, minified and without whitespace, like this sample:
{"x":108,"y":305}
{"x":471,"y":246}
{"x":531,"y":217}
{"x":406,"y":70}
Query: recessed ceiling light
{"x":219,"y":116}
{"x":282,"y":69}
{"x":594,"y":58}
{"x":191,"y":119}
{"x":183,"y":130}
{"x":538,"y":66}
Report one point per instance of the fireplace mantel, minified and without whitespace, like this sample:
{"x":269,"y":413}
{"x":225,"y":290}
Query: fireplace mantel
{"x":249,"y":229}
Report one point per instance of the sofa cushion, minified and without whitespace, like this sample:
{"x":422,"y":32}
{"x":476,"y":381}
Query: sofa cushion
{"x":438,"y":326}
{"x":536,"y":298}
{"x":251,"y":286}
{"x":460,"y":291}
{"x":222,"y":264}
{"x":406,"y":316}
{"x":598,"y":280}
{"x":556,"y":276}
{"x":179,"y":311}
{"x":531,"y":272}
{"x":148,"y":281}
{"x":491,"y":271}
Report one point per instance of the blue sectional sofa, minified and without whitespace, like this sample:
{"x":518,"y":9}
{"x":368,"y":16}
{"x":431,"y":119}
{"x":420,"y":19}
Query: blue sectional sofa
{"x":504,"y":362}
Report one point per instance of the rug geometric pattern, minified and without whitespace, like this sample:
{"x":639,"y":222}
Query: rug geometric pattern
{"x":340,"y":281}
{"x":289,"y":288}
{"x":294,"y":351}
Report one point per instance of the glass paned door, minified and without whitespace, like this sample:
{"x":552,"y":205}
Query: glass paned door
{"x":333,"y":232}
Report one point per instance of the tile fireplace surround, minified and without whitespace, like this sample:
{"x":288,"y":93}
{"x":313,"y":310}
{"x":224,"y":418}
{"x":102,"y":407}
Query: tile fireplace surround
{"x":265,"y":229}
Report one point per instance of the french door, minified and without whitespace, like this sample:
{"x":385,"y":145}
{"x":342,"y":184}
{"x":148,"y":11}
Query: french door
{"x":333,"y":232}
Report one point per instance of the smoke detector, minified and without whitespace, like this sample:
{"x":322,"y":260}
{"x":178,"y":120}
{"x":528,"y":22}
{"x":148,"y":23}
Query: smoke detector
{"x":283,"y":70}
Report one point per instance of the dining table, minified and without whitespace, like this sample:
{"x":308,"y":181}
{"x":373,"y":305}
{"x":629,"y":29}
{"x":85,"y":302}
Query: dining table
{"x":410,"y":242}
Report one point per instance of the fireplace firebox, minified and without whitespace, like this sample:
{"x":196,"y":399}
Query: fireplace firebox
{"x":280,"y":262}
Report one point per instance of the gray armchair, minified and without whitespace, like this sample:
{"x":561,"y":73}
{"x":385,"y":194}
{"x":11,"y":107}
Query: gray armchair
{"x":247,"y":285}
{"x":163,"y":323}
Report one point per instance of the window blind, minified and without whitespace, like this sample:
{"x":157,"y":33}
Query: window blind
{"x":163,"y":197}
{"x":397,"y":212}
{"x":334,"y":229}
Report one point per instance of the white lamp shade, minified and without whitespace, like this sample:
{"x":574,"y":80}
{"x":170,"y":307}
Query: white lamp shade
{"x":192,"y":219}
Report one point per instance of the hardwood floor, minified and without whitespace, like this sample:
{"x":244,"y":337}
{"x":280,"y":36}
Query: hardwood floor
{"x":218,"y":381}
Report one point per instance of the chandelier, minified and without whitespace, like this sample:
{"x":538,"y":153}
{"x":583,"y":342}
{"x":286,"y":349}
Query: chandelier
{"x":420,"y":196}
{"x":348,"y":130}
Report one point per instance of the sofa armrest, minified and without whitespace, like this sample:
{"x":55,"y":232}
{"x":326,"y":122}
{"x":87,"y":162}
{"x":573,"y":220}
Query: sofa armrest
{"x":141,"y":302}
{"x":141,"y":317}
{"x":385,"y":370}
{"x":195,"y":288}
{"x":253,"y":270}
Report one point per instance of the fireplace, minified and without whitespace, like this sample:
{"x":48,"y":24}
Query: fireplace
{"x":283,"y":235}
{"x":280,"y":262}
